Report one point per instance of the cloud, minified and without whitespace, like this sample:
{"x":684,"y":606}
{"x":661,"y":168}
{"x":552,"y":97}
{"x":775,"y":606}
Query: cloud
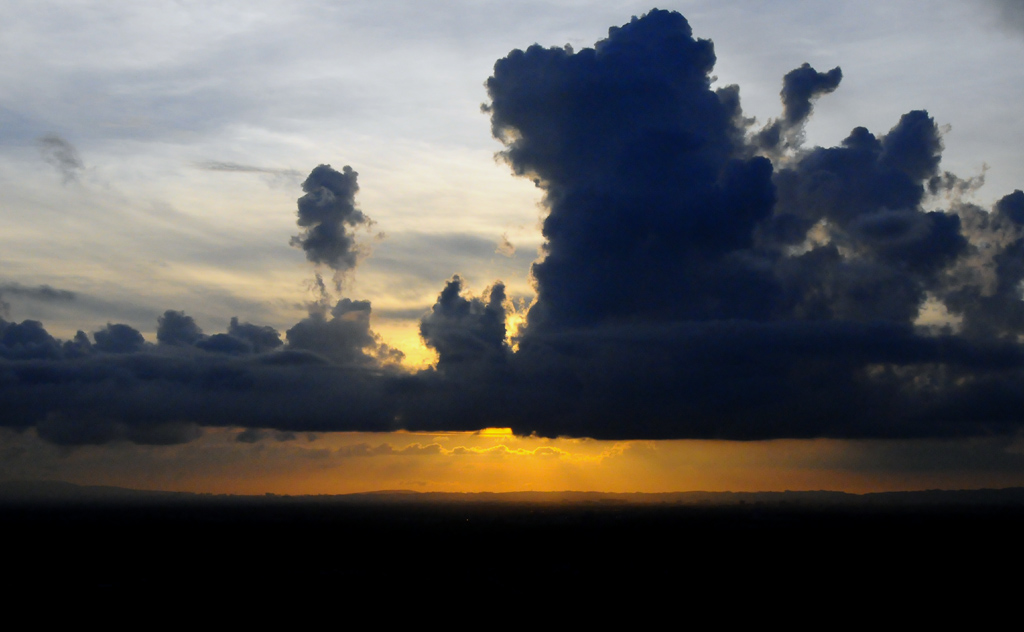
{"x":466,"y":330}
{"x":43,"y":293}
{"x":1011,"y":13}
{"x":38,"y":293}
{"x":345,"y":338}
{"x":261,"y":338}
{"x":175,"y":328}
{"x":386,"y":449}
{"x":326,"y":213}
{"x":694,"y":282}
{"x":800,"y":87}
{"x":505,"y":247}
{"x":644,"y":177}
{"x":255,"y":435}
{"x":688,"y":289}
{"x":503,"y":451}
{"x":216,"y":165}
{"x":62,"y":155}
{"x":27,"y":340}
{"x":118,"y":339}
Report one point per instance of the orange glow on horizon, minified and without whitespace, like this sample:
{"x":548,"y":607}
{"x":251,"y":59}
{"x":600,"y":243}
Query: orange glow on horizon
{"x":495,"y":432}
{"x":495,"y":460}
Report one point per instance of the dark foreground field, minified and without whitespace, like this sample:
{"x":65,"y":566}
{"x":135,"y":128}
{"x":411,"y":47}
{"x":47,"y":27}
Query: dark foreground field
{"x":478,"y":546}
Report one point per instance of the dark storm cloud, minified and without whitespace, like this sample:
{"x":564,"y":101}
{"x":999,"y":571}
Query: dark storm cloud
{"x":688,"y":286}
{"x":466,"y":330}
{"x":224,"y":343}
{"x":802,"y":85}
{"x":799,"y":89}
{"x":1012,"y":206}
{"x":118,"y":339}
{"x":865,"y":174}
{"x":746,"y":380}
{"x":326,"y":213}
{"x":689,"y":290}
{"x":161,"y":394}
{"x":345,"y":338}
{"x":62,"y":155}
{"x":645,"y":181}
{"x":175,"y":328}
{"x":261,"y":338}
{"x":27,"y":340}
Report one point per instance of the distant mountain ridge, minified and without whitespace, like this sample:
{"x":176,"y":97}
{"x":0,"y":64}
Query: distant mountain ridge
{"x":64,"y":492}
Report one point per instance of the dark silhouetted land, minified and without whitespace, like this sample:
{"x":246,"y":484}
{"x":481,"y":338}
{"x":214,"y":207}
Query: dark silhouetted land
{"x":101,"y":538}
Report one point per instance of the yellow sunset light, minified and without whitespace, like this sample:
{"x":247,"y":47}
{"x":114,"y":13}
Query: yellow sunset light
{"x":495,"y":432}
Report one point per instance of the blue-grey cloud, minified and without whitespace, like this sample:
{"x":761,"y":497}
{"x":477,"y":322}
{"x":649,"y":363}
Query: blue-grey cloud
{"x":345,"y":338}
{"x":37,"y":293}
{"x":62,"y":155}
{"x":177,"y":328}
{"x":118,"y":338}
{"x":43,"y":293}
{"x":800,"y":87}
{"x":687,"y":289}
{"x":466,"y":331}
{"x":327,"y":212}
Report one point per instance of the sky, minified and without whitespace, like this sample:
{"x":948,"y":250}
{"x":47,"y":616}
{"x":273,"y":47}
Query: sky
{"x":317,"y":247}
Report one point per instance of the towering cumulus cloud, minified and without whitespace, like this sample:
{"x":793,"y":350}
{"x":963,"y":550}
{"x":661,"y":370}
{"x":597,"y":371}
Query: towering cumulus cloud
{"x":327,"y":208}
{"x":645,"y":177}
{"x":700,"y":277}
{"x":688,"y":288}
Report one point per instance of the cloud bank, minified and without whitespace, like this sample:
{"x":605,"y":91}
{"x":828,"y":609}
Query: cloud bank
{"x":700,"y":278}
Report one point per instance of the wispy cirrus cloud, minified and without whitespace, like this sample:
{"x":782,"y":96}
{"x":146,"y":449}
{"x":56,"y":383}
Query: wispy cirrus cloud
{"x":216,"y":165}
